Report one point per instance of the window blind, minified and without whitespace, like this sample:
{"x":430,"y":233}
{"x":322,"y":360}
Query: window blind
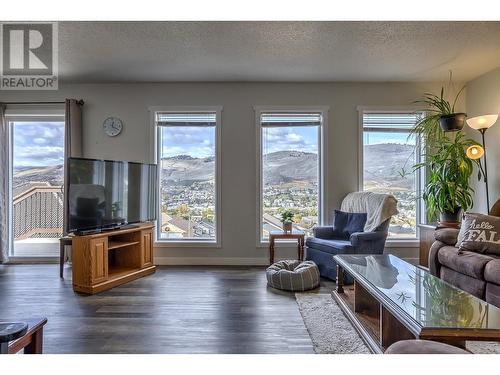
{"x":290,"y":119}
{"x":186,"y":119}
{"x":390,"y":121}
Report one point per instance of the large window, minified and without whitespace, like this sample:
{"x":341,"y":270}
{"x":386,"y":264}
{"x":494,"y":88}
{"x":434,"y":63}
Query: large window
{"x":389,"y":153}
{"x":290,"y":169}
{"x":188,"y":176}
{"x":36,"y":168}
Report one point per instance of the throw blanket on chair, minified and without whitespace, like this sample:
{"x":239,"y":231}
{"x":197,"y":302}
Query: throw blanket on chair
{"x":379,"y":207}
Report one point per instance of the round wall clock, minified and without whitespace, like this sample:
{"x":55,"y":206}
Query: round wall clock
{"x":112,"y":126}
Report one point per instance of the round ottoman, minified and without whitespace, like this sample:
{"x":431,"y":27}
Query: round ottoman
{"x":423,"y":347}
{"x":293,"y":275}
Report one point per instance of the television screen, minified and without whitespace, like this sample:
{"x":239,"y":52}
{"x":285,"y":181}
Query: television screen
{"x":105,"y":193}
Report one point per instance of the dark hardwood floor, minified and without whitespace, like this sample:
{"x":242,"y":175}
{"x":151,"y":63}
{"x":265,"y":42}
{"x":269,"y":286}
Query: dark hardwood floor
{"x":176,"y":310}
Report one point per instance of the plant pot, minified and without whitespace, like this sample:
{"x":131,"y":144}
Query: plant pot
{"x":450,"y":217}
{"x":453,"y":122}
{"x":287,"y":227}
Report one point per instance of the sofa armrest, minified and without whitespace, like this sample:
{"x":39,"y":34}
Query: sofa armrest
{"x":360,"y":238}
{"x":434,"y":265}
{"x":325,"y":233}
{"x":448,"y":236}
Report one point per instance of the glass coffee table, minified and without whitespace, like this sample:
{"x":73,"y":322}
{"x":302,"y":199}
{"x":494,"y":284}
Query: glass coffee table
{"x":392,"y":300}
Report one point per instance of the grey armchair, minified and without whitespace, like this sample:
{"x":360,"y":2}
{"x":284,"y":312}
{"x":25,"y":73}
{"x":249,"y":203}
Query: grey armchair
{"x":323,"y":246}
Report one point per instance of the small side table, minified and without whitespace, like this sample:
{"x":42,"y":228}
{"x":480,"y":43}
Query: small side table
{"x":63,"y":241}
{"x":280,"y":235}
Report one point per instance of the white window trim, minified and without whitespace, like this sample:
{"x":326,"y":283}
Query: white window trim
{"x":323,"y":157}
{"x":20,"y":113}
{"x":420,"y":209}
{"x":154,"y":139}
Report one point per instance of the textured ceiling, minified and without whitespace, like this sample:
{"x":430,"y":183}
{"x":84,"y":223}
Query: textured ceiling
{"x":276,"y":51}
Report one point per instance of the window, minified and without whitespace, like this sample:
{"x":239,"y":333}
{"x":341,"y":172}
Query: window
{"x":36,"y":175}
{"x":389,"y":154}
{"x":188,"y":176}
{"x":290,"y":169}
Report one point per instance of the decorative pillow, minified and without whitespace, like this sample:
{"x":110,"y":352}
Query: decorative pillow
{"x":347,"y":223}
{"x":479,"y":233}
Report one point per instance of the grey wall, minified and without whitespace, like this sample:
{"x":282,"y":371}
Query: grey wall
{"x":483,"y":97}
{"x":130,"y":103}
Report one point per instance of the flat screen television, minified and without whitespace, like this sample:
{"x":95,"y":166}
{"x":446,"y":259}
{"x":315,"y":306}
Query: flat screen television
{"x":105,"y":194}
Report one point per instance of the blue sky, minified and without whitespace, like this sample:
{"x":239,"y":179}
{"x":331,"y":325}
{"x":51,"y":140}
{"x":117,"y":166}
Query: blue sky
{"x":38,"y":144}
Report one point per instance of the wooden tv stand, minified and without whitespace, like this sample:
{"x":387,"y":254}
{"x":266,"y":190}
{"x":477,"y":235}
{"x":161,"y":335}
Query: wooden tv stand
{"x":104,"y":260}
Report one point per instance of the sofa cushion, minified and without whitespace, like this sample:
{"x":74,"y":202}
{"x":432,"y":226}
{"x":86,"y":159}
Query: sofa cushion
{"x":347,"y":223}
{"x":469,"y":284}
{"x":480,"y":233}
{"x":492,"y":271}
{"x":469,"y":263}
{"x":493,"y":294}
{"x":329,"y":246}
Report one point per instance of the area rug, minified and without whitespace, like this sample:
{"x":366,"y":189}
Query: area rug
{"x":332,"y":333}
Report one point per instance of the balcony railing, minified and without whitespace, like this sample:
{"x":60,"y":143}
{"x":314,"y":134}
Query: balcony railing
{"x":38,"y":213}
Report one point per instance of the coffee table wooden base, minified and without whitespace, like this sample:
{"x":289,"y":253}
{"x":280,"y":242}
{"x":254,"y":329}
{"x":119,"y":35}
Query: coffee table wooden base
{"x":375,"y":324}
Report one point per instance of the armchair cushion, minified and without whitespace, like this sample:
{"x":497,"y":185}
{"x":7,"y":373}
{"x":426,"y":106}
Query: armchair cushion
{"x":347,"y":223}
{"x":333,"y":247}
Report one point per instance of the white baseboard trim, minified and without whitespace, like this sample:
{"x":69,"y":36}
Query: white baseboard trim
{"x":210,"y":261}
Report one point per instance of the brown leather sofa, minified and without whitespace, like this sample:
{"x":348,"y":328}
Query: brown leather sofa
{"x":477,"y":274}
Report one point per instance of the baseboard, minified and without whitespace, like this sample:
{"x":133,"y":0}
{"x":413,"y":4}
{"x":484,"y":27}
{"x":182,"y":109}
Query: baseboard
{"x":210,"y":261}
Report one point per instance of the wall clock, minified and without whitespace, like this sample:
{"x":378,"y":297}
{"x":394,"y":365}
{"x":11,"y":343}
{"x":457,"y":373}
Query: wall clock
{"x":112,"y":126}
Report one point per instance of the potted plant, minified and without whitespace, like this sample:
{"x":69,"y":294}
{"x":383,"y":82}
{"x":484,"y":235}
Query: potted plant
{"x":287,"y":220}
{"x":440,"y":116}
{"x":447,"y":191}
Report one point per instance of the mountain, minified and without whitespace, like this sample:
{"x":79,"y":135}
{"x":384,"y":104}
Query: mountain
{"x":382,"y":165}
{"x":279,"y":167}
{"x":288,"y":166}
{"x":383,"y":162}
{"x":54,"y":175}
{"x":185,"y":168}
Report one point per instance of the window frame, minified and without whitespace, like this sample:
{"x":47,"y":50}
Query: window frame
{"x":322,"y":167}
{"x":419,"y":178}
{"x":155,"y":157}
{"x":23,"y":113}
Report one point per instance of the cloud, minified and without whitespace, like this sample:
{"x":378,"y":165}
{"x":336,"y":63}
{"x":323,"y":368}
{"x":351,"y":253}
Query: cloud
{"x":38,"y":143}
{"x":290,"y":139}
{"x":198,"y":142}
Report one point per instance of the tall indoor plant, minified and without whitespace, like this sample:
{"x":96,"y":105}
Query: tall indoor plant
{"x":447,"y":191}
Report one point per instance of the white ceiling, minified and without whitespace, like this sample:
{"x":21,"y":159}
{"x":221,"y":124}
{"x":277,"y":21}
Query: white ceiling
{"x":276,"y":51}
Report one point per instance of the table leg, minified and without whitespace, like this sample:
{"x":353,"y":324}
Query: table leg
{"x":36,"y":344}
{"x":302,"y":249}
{"x":340,"y":279}
{"x":299,"y":257}
{"x":61,"y":259}
{"x":271,"y":251}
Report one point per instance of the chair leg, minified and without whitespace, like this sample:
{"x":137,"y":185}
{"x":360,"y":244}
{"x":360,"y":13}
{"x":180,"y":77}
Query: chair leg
{"x":61,"y":260}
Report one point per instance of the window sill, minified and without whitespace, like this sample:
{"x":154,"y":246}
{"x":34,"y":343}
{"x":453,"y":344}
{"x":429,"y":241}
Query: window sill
{"x":414,"y":242}
{"x":187,"y":244}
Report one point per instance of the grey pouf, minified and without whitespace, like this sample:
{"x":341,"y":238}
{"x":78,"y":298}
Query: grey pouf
{"x":423,"y":347}
{"x":293,"y":275}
